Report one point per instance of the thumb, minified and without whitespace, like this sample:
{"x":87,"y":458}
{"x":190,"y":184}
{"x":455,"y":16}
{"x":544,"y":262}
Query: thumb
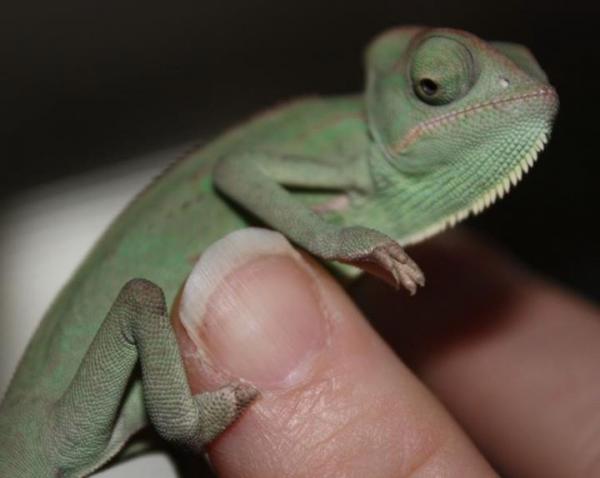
{"x":335,"y":401}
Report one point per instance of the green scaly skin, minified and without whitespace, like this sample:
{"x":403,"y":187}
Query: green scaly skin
{"x":447,"y":124}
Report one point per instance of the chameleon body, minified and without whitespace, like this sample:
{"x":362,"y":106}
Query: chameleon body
{"x":448,"y":123}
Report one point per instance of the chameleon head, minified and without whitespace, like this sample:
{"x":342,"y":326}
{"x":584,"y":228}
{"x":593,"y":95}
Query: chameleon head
{"x":459,"y":119}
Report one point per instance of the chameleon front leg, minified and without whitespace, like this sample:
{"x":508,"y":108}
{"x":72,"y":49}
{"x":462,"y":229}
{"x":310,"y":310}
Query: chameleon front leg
{"x":255,"y":181}
{"x":84,"y":422}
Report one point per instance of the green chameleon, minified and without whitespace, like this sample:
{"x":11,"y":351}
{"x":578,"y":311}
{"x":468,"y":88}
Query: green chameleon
{"x":447,"y":124}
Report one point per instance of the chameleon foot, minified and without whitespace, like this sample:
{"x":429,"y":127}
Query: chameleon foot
{"x":403,"y":269}
{"x":219,"y":409}
{"x":381,"y":255}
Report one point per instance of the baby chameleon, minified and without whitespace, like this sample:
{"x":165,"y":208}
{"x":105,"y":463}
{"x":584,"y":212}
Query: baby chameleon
{"x":447,"y":124}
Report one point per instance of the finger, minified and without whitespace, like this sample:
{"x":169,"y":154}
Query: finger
{"x":517,"y":360}
{"x":335,"y":401}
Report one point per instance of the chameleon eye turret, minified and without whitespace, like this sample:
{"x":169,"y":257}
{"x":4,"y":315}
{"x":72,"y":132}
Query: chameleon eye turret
{"x":442,"y":70}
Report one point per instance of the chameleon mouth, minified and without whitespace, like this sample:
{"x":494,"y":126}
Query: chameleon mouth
{"x":489,"y":197}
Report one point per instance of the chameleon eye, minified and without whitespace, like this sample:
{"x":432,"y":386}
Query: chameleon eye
{"x":442,"y":70}
{"x":428,"y":87}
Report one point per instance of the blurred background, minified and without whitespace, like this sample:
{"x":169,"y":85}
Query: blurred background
{"x":97,"y":97}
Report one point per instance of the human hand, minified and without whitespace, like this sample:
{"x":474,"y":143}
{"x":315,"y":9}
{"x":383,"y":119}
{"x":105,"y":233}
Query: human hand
{"x":493,"y":370}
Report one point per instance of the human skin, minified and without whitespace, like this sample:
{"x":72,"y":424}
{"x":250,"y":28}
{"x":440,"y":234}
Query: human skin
{"x":490,"y":370}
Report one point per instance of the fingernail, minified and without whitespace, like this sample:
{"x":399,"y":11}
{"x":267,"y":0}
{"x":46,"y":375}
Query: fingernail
{"x":252,"y":307}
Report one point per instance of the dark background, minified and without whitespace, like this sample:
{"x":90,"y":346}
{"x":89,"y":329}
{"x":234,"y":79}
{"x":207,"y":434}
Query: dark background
{"x":86,"y":84}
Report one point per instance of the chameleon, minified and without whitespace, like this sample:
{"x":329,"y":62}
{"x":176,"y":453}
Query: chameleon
{"x":447,"y":124}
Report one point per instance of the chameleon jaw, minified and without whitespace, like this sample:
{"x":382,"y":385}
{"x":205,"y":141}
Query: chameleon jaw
{"x":488,"y":198}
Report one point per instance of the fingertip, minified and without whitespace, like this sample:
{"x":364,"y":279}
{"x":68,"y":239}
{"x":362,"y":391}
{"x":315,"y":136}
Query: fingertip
{"x":334,"y":398}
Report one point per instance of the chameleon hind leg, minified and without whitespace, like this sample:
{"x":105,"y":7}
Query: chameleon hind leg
{"x":85,"y":421}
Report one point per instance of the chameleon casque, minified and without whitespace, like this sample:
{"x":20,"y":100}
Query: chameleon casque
{"x":447,"y":124}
